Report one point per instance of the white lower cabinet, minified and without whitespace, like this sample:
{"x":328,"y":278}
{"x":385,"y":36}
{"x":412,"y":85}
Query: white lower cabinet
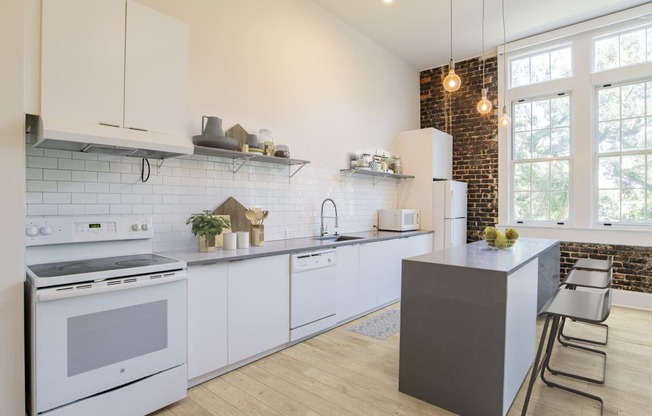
{"x":416,"y":245}
{"x":348,"y":282}
{"x":207,"y":319}
{"x":259,"y":306}
{"x":380,"y":261}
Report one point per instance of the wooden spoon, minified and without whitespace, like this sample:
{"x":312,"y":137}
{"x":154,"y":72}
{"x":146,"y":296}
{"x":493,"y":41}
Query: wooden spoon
{"x":251,"y":216}
{"x":265,"y":214}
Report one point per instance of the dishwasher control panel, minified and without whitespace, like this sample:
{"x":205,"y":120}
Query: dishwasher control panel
{"x":313,"y":260}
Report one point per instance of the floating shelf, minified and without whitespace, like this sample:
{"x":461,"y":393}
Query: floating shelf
{"x":240,"y":159}
{"x":376,"y":174}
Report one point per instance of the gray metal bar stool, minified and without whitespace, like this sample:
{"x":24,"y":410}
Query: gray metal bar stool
{"x":582,"y":306}
{"x":594,"y":264}
{"x":588,"y":279}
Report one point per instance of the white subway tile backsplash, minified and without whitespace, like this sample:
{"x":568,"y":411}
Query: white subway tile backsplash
{"x":41,"y":162}
{"x":71,"y":164}
{"x":83,"y":176}
{"x":92,"y":185}
{"x":60,"y":154}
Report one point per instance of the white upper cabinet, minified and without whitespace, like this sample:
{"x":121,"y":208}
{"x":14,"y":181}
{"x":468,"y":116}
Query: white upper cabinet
{"x":83,"y":60}
{"x":156,"y":71}
{"x":114,"y":63}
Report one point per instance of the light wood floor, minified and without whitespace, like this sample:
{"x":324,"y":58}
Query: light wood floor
{"x":344,"y":373}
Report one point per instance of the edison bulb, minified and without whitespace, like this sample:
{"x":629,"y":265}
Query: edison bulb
{"x":452,"y":82}
{"x":504,"y":120}
{"x":484,"y":106}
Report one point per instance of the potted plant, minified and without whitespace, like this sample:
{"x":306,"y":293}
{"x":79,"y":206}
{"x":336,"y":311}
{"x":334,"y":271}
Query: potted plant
{"x":207,"y":226}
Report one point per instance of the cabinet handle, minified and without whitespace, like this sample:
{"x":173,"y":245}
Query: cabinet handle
{"x":109,"y":125}
{"x":136,"y":128}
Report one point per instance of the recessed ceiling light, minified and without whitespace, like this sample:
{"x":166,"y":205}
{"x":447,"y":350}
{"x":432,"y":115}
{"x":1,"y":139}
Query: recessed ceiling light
{"x":388,"y":1}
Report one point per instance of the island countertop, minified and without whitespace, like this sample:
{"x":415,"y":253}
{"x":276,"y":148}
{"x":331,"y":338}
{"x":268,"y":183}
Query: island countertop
{"x":478,"y":255}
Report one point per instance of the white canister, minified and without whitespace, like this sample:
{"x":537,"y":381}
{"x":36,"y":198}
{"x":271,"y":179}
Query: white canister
{"x":243,"y":239}
{"x":230,"y":241}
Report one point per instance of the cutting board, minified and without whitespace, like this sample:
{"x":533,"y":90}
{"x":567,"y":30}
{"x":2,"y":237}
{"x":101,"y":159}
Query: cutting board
{"x":236,"y":211}
{"x":237,"y":132}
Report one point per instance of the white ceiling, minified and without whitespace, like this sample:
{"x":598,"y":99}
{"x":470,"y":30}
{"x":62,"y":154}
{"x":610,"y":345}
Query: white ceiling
{"x":418,"y":31}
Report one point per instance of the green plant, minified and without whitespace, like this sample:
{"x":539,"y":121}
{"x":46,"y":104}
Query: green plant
{"x":207,"y":225}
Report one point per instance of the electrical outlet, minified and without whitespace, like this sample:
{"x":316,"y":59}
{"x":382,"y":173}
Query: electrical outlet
{"x":289,"y":233}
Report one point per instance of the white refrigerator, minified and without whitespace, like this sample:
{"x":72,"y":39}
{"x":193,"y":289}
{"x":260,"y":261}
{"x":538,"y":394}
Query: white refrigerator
{"x":449,"y":214}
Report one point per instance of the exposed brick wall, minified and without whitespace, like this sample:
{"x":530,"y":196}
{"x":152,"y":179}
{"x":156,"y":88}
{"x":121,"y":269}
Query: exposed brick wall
{"x":475,"y":161}
{"x":475,"y":148}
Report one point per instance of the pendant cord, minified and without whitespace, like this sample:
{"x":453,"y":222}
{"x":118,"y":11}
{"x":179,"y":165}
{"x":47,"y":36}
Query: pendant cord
{"x":451,"y":28}
{"x":483,"y":58}
{"x":504,"y":54}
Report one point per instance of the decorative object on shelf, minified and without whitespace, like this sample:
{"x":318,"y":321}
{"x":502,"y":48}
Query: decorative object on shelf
{"x":244,"y":148}
{"x":395,"y":165}
{"x":452,"y":82}
{"x":282,"y":150}
{"x":504,"y":120}
{"x":253,"y":142}
{"x":484,"y":105}
{"x":498,"y":240}
{"x":238,"y":133}
{"x":265,"y":136}
{"x":207,"y":226}
{"x":213,"y":135}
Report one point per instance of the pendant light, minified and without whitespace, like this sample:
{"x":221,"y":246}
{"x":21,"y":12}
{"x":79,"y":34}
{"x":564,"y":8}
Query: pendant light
{"x":484,"y":106}
{"x":504,"y":120}
{"x":452,"y":82}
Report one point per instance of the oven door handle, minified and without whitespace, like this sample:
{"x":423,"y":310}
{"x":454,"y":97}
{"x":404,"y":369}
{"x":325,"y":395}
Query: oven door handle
{"x":44,"y":295}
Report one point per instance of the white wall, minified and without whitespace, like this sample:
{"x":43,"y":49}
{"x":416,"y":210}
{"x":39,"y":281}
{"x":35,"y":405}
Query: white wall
{"x":288,"y":65}
{"x":12,"y":171}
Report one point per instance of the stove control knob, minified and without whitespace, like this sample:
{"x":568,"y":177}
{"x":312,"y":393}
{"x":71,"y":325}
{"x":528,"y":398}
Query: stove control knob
{"x":31,"y":230}
{"x":144,"y":227}
{"x":135,"y":227}
{"x":46,"y":230}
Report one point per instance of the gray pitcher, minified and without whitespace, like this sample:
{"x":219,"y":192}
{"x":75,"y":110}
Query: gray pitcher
{"x":212,"y":127}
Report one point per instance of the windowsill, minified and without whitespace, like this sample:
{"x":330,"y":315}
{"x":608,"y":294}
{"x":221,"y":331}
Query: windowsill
{"x":614,"y":235}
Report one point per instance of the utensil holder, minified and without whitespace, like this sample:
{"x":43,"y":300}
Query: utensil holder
{"x":257,"y":235}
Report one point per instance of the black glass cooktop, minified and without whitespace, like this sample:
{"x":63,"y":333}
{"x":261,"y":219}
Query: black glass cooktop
{"x":69,"y":268}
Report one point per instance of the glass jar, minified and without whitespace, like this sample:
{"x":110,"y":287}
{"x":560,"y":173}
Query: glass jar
{"x":282,"y":150}
{"x":395,"y":165}
{"x":265,"y":137}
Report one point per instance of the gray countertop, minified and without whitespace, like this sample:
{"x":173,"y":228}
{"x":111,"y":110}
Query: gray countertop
{"x":478,"y":255}
{"x":290,"y":246}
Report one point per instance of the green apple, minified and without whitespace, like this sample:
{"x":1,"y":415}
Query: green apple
{"x":511,"y":234}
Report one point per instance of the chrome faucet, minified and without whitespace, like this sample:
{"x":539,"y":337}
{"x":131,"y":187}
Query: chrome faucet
{"x":324,"y":228}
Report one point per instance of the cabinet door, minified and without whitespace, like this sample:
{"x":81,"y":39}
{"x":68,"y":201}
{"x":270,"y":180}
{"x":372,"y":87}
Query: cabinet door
{"x":377,"y":266}
{"x":156,"y":71}
{"x":259,"y":305}
{"x":82,"y":60}
{"x":417,"y":245}
{"x":207,"y":319}
{"x":348,"y":282}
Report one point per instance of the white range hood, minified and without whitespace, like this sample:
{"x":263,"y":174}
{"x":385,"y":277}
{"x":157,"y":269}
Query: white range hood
{"x":52,"y":133}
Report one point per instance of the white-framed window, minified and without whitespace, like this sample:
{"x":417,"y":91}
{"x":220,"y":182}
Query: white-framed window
{"x":620,"y":49}
{"x":623,"y":143}
{"x":541,"y":159}
{"x":540,"y":67}
{"x":606,"y":174}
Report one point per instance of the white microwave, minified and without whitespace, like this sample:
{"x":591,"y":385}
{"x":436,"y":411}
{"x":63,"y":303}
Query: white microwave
{"x":398,"y":219}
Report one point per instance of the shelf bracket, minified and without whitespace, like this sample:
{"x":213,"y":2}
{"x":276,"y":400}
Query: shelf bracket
{"x":297,"y":170}
{"x":236,"y":160}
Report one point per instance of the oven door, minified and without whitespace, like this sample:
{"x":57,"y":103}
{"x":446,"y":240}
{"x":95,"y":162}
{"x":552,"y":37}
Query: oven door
{"x":84,"y":345}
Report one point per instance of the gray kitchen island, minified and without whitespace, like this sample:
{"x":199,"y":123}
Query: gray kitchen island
{"x":468,"y":323}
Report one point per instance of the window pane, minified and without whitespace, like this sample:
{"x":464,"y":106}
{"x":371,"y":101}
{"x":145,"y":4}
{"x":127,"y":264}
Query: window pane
{"x":541,"y":176}
{"x":633,"y":171}
{"x":540,"y":207}
{"x":606,"y":53}
{"x":522,"y":117}
{"x":633,"y":100}
{"x":540,"y":68}
{"x":609,"y":205}
{"x":649,"y":204}
{"x":649,"y":44}
{"x":522,"y":205}
{"x":541,"y":114}
{"x":559,"y":206}
{"x":608,"y":172}
{"x":520,"y":72}
{"x":632,"y":48}
{"x":649,"y":132}
{"x":633,"y":208}
{"x":609,"y":136}
{"x":561,"y":64}
{"x":522,"y":145}
{"x":541,"y":143}
{"x":559,"y":175}
{"x":633,"y":134}
{"x":560,"y":142}
{"x":560,"y":111}
{"x":649,"y":96}
{"x":522,"y":176}
{"x":609,"y":104}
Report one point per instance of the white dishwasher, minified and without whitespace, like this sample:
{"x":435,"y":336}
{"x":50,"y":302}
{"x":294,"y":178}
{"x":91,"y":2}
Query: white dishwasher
{"x":312,"y":293}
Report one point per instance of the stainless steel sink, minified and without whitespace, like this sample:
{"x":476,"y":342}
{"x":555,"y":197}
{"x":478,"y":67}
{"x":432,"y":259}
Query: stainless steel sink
{"x":333,"y":238}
